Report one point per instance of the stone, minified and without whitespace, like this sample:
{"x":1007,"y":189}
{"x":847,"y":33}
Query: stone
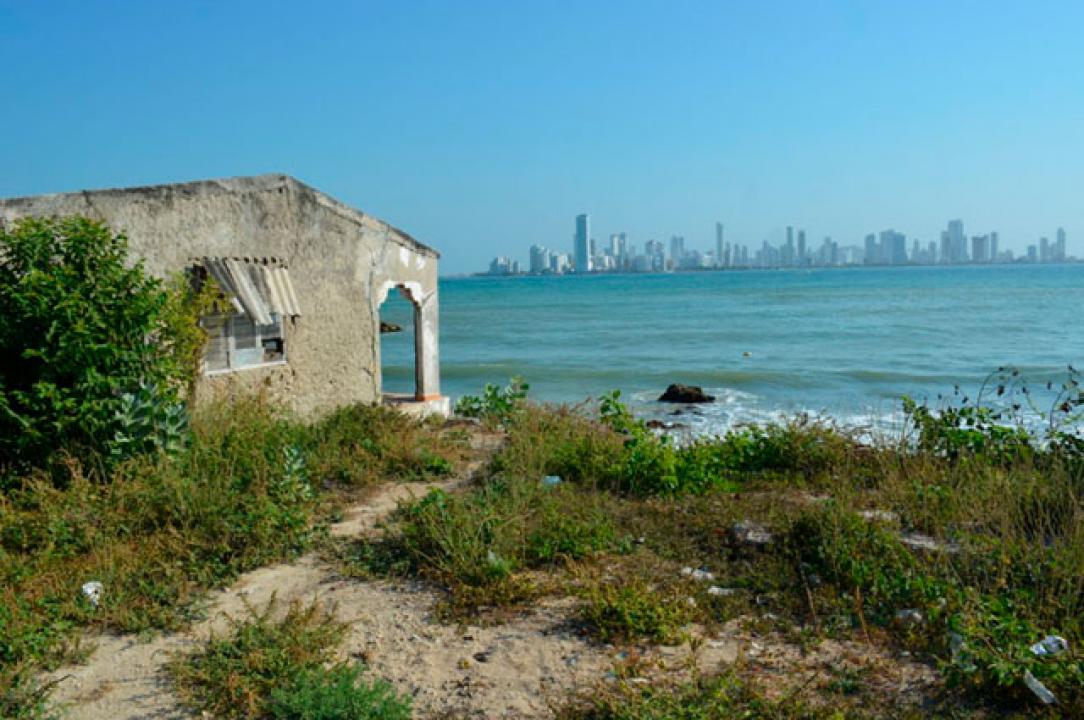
{"x":662,"y":425}
{"x":748,"y":532}
{"x":387,"y":327}
{"x":678,"y":393}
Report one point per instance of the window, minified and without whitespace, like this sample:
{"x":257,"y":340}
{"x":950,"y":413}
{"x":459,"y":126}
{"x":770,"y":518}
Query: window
{"x":246,"y":327}
{"x":237,"y":342}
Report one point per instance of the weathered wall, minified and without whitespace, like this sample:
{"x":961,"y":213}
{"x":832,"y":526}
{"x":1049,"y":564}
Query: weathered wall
{"x":341,"y":262}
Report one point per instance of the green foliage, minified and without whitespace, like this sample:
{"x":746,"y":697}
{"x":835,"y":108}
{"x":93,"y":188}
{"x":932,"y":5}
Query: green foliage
{"x":722,"y":697}
{"x":863,"y":557}
{"x":495,"y":404}
{"x":967,"y":431}
{"x":81,"y":328}
{"x":234,"y":676}
{"x":148,"y":422}
{"x":236,"y":497}
{"x":339,"y":693}
{"x":992,"y":652}
{"x":358,"y":445}
{"x":476,"y":542}
{"x":634,"y":610}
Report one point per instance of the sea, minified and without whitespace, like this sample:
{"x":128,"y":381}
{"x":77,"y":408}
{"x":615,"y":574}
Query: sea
{"x":842,"y":345}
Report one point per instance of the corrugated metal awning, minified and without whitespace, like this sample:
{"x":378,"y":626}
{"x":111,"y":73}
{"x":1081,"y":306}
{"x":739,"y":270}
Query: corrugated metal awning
{"x":256,"y":288}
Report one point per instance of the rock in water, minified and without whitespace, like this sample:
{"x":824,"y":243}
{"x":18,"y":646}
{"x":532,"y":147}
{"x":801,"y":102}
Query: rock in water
{"x":678,"y":393}
{"x":387,"y":327}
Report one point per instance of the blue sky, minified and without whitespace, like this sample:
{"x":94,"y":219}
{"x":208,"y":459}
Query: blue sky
{"x":483,"y":127}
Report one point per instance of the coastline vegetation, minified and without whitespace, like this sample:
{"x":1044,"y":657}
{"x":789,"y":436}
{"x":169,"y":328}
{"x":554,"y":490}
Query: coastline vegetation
{"x":962,"y":543}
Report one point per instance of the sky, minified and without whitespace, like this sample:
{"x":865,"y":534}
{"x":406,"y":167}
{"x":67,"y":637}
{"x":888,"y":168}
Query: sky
{"x":481,"y":127}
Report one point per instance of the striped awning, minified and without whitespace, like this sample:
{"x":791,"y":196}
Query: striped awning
{"x":256,"y":287}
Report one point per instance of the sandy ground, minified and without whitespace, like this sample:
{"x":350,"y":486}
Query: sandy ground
{"x":518,"y":669}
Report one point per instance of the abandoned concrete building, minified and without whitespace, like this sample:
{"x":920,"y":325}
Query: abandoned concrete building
{"x":306,"y":275}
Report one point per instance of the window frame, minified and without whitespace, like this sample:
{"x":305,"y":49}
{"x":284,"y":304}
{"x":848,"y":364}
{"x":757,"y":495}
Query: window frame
{"x":226,"y":322}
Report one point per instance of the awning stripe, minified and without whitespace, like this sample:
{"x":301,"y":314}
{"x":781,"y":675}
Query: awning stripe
{"x":255,"y":288}
{"x":247,"y":293}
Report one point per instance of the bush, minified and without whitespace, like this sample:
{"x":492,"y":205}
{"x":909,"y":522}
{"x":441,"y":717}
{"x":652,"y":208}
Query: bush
{"x":632,"y":611}
{"x":234,"y":676}
{"x":494,"y":405}
{"x":358,"y":445}
{"x":338,"y":694}
{"x":722,"y":697}
{"x":81,"y":328}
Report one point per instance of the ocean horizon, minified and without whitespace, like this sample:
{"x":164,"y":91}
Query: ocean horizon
{"x":841,"y":343}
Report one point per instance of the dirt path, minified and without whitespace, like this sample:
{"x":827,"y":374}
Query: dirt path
{"x":502,"y":671}
{"x":514,"y":670}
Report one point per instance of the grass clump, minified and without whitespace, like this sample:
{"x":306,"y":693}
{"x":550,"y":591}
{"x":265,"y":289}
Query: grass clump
{"x":267,"y":668}
{"x":476,"y":543}
{"x":634,"y":610}
{"x":359,"y":445}
{"x":721,"y":697}
{"x":339,"y":693}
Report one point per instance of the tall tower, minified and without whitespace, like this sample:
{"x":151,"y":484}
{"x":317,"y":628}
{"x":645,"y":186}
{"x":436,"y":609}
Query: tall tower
{"x":581,"y":250}
{"x":719,"y":249}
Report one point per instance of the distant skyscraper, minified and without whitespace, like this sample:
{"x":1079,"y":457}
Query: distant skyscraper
{"x":581,"y":248}
{"x":873,"y":250}
{"x":893,"y":248}
{"x":1059,"y":246}
{"x":954,"y":243}
{"x":1044,"y":250}
{"x":994,"y":247}
{"x":980,"y":248}
{"x":540,"y":259}
{"x":801,"y":248}
{"x":677,"y":249}
{"x":720,"y":251}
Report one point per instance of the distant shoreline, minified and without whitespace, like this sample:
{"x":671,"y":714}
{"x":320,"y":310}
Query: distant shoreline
{"x":697,"y":271}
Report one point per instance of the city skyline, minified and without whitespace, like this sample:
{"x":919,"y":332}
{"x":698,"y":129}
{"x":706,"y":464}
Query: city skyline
{"x":810,"y":112}
{"x":884,"y":248}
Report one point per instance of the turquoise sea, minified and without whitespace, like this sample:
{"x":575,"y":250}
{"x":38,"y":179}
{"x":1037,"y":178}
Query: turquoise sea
{"x":844,"y":343}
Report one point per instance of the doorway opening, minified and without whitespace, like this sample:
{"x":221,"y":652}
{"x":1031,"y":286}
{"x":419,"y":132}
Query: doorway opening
{"x":398,"y":346}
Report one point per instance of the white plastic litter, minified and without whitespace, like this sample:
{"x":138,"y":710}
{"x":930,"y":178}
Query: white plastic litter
{"x":910,"y":616}
{"x":551,"y":480}
{"x":93,"y":592}
{"x":1039,"y":689}
{"x":701,"y":575}
{"x":1050,"y":645}
{"x":725,"y":592}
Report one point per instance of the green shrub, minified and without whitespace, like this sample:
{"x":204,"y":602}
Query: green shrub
{"x":494,"y":404}
{"x":338,"y":694}
{"x":634,"y":610}
{"x":81,"y":328}
{"x":476,"y":542}
{"x":234,"y":676}
{"x":967,"y":431}
{"x":721,"y":697}
{"x":358,"y":445}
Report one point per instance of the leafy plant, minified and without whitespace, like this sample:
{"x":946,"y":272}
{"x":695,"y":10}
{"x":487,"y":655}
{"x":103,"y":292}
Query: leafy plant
{"x":495,"y":404}
{"x":634,"y":610}
{"x":338,"y":693}
{"x":235,"y":676}
{"x":82,"y":327}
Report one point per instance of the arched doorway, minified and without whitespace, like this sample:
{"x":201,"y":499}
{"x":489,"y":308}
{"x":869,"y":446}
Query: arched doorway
{"x":398,"y":318}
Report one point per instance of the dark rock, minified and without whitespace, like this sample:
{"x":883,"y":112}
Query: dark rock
{"x":387,"y":327}
{"x":661,"y":425}
{"x":678,"y":393}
